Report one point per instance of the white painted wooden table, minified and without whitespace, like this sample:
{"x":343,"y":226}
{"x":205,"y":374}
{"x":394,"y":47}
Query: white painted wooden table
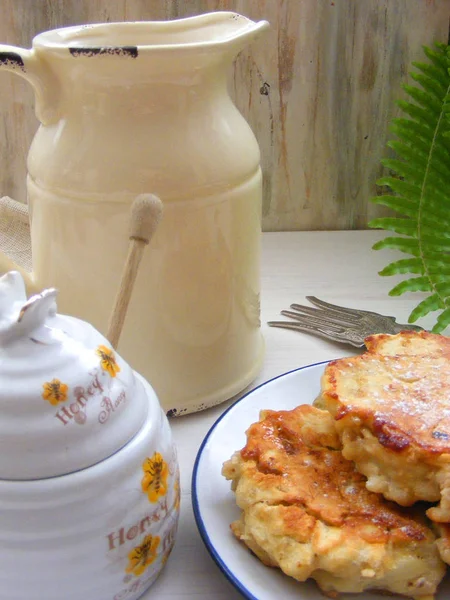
{"x":339,"y":267}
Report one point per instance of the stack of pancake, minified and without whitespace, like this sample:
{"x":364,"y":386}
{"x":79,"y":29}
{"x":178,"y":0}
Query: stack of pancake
{"x":354,"y":491}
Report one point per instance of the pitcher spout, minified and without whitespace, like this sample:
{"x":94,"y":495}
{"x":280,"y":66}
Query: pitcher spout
{"x":224,"y":28}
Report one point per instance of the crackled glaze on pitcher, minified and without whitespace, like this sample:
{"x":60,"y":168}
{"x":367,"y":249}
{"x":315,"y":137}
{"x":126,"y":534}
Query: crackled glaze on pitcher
{"x":128,"y":108}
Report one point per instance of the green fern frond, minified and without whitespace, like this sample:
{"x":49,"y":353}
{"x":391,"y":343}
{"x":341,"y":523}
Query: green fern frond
{"x":396,"y":224}
{"x":401,"y":244}
{"x":419,"y":188}
{"x":401,"y":205}
{"x":430,"y":304}
{"x":415,"y":284}
{"x":438,"y":56}
{"x":443,"y":321}
{"x":405,"y":265}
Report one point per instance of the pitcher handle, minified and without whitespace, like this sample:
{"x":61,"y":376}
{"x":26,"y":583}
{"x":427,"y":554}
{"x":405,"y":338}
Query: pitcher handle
{"x":29,"y":65}
{"x":15,"y":240}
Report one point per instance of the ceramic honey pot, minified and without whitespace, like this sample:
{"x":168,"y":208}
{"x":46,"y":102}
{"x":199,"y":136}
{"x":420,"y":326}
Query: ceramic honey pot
{"x":125,"y":108}
{"x":89,"y":482}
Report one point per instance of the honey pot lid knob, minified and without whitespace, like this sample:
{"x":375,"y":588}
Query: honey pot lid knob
{"x":19,"y":316}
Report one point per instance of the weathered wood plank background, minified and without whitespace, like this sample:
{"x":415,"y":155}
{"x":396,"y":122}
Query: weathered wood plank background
{"x":318,"y":91}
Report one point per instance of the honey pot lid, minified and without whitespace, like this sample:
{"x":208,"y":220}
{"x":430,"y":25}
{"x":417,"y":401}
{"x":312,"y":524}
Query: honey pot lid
{"x":67,"y":399}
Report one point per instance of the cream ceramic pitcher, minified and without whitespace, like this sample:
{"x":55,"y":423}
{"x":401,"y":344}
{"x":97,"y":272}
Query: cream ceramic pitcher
{"x":127,"y":108}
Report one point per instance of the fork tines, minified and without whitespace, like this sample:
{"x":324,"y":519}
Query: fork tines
{"x":339,"y":323}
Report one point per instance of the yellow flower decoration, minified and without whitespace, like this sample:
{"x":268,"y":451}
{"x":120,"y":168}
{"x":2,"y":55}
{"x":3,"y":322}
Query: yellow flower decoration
{"x":154,"y":482}
{"x":108,"y":360}
{"x":55,"y":392}
{"x":142,"y":556}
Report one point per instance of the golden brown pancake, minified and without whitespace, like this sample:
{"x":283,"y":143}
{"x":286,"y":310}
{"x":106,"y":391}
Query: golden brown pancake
{"x":443,"y":542}
{"x":407,"y":342}
{"x":306,"y":510}
{"x":391,"y":407}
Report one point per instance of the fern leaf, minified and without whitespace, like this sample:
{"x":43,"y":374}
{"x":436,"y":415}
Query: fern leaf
{"x":405,"y":265}
{"x":433,"y":72}
{"x":401,"y":244}
{"x":439,"y":270}
{"x":416,"y":154}
{"x":418,"y":114}
{"x":430,"y":304}
{"x":434,"y":243}
{"x":433,"y":87}
{"x":443,"y":289}
{"x":414,"y":174}
{"x":403,"y":188}
{"x":412,"y":132}
{"x":424,"y":99}
{"x":409,"y":196}
{"x":401,"y":205}
{"x":430,"y":222}
{"x":408,"y":227}
{"x":437,"y":57}
{"x":442,"y":322}
{"x":415,"y":284}
{"x":434,"y":258}
{"x":404,"y":226}
{"x":419,"y":188}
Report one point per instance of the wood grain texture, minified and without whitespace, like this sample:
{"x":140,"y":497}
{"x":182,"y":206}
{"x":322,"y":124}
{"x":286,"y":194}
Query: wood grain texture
{"x":318,"y":91}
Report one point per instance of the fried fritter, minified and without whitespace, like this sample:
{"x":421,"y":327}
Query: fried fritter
{"x":443,"y":542}
{"x":306,"y":510}
{"x":391,"y":407}
{"x":411,"y":343}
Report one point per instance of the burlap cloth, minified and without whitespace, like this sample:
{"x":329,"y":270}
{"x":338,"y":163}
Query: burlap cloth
{"x":15,"y":239}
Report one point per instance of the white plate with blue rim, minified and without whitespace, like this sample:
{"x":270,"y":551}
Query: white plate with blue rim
{"x":214,"y":502}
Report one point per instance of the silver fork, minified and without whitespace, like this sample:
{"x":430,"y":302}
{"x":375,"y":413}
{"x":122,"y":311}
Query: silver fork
{"x":337,"y":323}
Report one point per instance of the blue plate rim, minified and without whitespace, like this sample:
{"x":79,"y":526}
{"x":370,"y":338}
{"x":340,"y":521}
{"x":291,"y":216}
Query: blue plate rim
{"x":195,"y":505}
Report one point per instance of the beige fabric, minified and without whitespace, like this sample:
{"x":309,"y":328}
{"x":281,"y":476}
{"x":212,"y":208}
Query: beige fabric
{"x":15,"y":239}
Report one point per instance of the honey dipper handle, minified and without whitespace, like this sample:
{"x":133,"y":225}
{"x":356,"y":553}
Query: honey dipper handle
{"x":146,"y":213}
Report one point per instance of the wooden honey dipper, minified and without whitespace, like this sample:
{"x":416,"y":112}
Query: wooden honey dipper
{"x":146,"y":212}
